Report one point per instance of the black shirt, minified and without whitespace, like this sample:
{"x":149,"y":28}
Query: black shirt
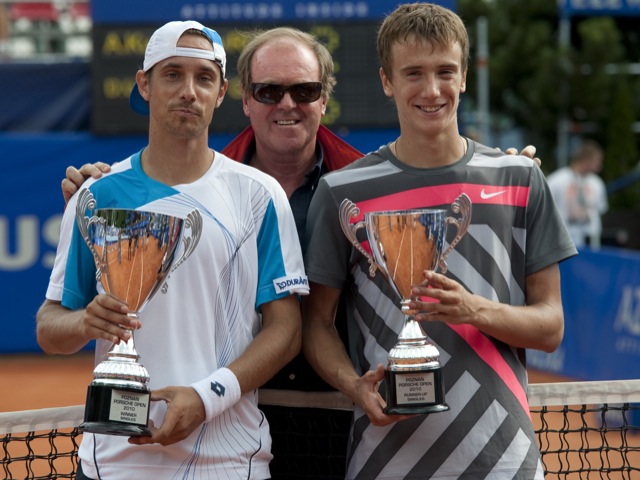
{"x":298,"y":374}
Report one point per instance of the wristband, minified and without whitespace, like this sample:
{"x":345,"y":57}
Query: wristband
{"x":218,"y":391}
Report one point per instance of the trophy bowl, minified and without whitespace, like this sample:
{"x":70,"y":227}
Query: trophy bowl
{"x":134,"y":252}
{"x":403,"y":244}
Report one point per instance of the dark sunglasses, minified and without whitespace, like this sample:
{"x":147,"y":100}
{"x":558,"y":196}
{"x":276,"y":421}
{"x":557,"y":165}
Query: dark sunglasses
{"x":273,"y":93}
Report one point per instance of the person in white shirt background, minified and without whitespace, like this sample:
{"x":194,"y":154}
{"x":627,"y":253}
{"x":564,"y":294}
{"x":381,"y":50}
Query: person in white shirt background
{"x":581,"y":194}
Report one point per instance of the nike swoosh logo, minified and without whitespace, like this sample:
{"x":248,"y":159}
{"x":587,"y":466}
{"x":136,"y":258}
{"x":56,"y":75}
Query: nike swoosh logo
{"x":486,"y":196}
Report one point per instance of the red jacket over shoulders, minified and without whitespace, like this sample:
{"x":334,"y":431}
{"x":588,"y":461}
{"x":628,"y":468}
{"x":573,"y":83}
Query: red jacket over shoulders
{"x":337,"y":152}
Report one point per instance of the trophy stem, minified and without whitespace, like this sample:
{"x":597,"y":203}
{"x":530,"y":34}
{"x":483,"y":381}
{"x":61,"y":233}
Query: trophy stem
{"x":411,"y":332}
{"x":125,"y":351}
{"x":121,"y":367}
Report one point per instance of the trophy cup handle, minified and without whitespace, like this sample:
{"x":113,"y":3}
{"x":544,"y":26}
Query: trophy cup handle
{"x":193,"y":222}
{"x":86,"y":201}
{"x":349,"y":209}
{"x":461,"y":205}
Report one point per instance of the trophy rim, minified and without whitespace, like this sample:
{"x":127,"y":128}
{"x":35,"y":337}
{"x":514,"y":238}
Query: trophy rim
{"x":147,"y":212}
{"x":409,"y":211}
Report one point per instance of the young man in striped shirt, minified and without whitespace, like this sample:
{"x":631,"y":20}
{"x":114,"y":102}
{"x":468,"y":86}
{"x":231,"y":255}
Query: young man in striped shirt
{"x":500,"y":295}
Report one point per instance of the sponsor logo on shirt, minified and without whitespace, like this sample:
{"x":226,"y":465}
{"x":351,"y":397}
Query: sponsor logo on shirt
{"x":486,"y":195}
{"x":285,"y":284}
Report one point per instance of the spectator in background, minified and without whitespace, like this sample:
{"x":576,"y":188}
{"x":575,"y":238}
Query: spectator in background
{"x":581,"y":194}
{"x":4,"y":31}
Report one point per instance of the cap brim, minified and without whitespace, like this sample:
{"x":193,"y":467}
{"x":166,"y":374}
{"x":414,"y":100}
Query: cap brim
{"x":137,"y":103}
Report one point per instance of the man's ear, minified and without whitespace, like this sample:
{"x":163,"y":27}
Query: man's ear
{"x":222,"y":92}
{"x":387,"y":86}
{"x":142,"y":79}
{"x":245,"y":104}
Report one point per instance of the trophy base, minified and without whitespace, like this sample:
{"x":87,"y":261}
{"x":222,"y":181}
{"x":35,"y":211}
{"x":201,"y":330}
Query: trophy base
{"x":415,"y":392}
{"x":113,"y":428}
{"x":116,"y":411}
{"x":416,"y":410}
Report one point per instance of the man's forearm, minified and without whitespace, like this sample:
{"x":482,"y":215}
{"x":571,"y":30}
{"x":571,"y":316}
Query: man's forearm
{"x":58,"y":329}
{"x":277,"y":343}
{"x":325,"y":352}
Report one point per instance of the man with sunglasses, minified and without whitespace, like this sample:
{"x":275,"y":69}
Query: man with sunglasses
{"x":287,"y":78}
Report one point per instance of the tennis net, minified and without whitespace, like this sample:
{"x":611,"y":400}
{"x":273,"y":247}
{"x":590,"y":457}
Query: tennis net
{"x":40,"y":444}
{"x":585,"y":430}
{"x":588,"y":430}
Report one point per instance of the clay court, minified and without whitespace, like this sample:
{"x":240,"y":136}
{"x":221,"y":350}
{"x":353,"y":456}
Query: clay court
{"x":32,"y":381}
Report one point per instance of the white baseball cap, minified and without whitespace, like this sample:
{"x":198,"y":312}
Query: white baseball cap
{"x":163,"y":45}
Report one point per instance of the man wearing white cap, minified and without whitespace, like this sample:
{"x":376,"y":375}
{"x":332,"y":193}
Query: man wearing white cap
{"x":226,"y":323}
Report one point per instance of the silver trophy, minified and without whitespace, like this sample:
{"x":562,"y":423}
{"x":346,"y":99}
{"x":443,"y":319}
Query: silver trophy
{"x":134,"y":252}
{"x":405,"y":243}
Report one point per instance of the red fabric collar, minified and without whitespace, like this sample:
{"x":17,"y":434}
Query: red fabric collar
{"x":337,"y":152}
